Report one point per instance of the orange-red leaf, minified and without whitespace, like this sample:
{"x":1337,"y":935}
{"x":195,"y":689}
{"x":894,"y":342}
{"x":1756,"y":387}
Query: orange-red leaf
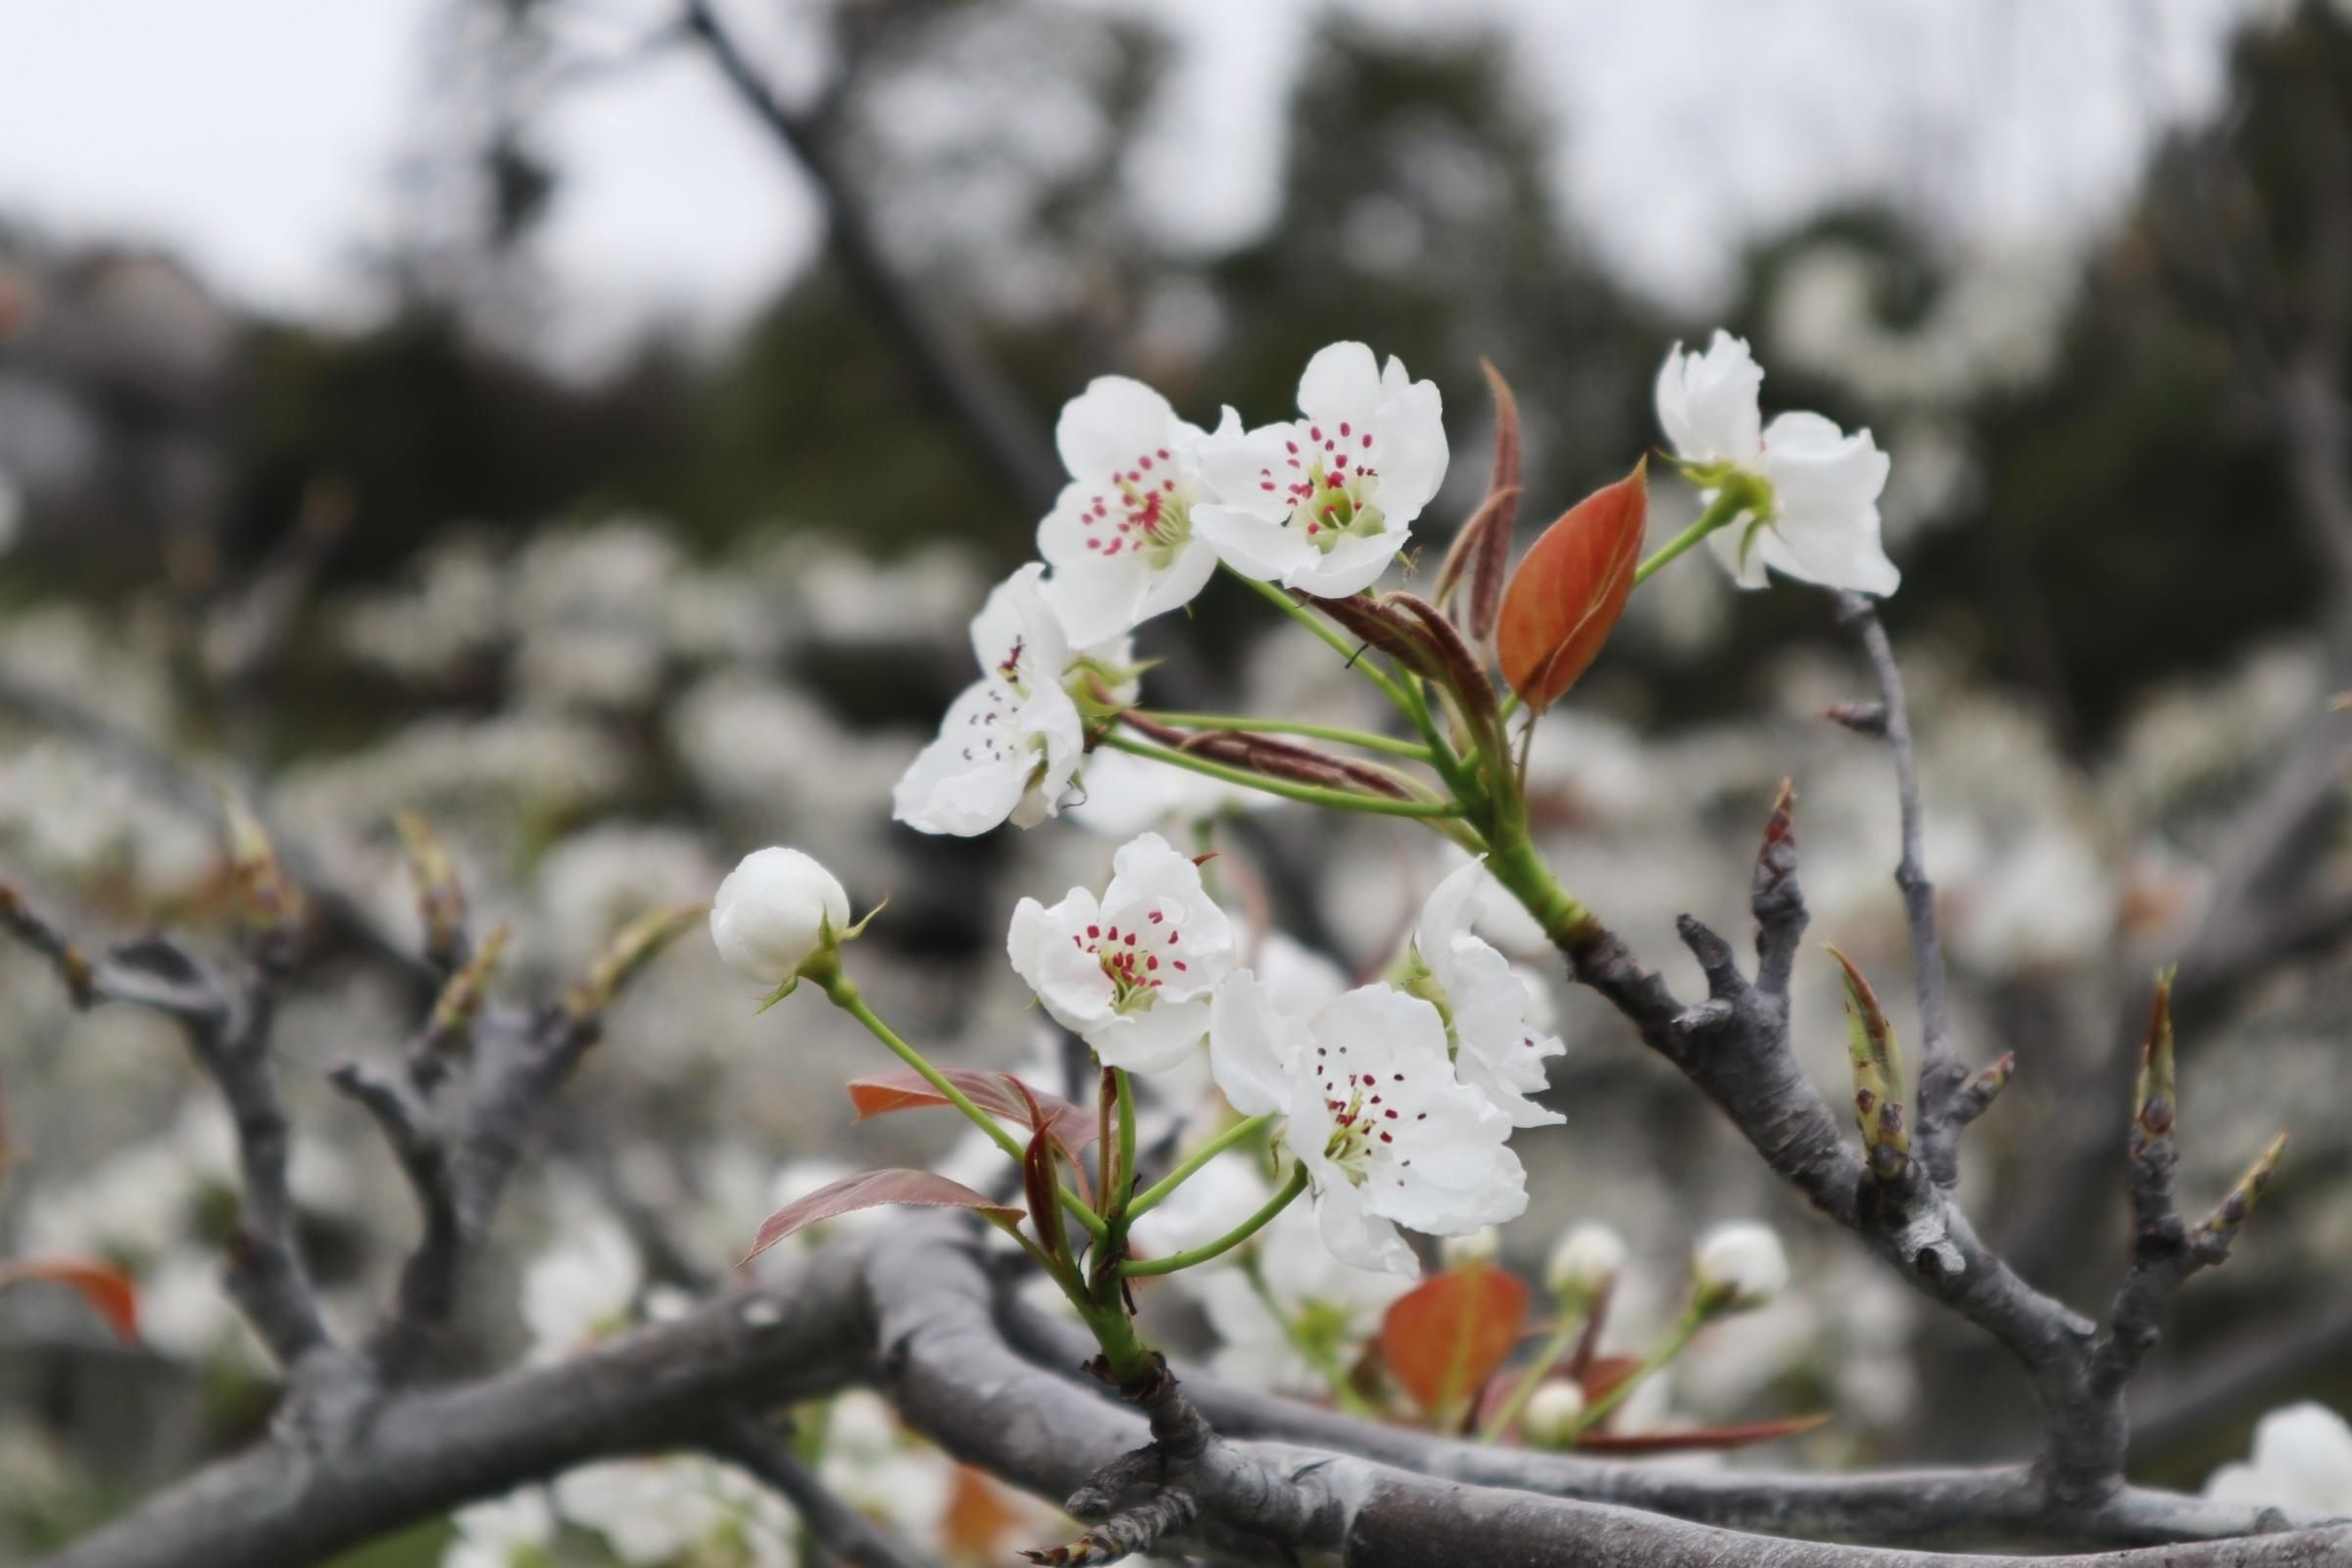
{"x":981,"y":1516}
{"x":1742,"y":1435}
{"x":1448,"y":1335}
{"x":873,"y":1188}
{"x":110,"y":1293}
{"x":1570,"y":589}
{"x":998,"y":1093}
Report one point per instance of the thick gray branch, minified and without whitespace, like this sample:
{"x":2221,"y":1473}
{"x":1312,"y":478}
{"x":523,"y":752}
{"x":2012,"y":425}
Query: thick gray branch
{"x":909,"y":1305}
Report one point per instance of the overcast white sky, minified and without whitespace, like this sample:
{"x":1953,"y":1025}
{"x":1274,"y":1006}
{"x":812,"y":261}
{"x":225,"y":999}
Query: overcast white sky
{"x":259,"y":136}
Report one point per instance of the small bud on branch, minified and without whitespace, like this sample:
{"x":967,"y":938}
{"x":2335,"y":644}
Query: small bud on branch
{"x":269,"y":900}
{"x":1863,"y":719}
{"x":440,"y":896}
{"x":1878,"y":1075}
{"x":460,"y":1001}
{"x":637,"y":945}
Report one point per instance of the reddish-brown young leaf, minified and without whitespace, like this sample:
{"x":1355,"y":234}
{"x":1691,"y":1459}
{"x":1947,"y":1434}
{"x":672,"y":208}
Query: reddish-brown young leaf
{"x":998,"y":1093}
{"x":1481,"y":554}
{"x":1741,"y":1435}
{"x":1043,"y":1184}
{"x":1441,"y":1340}
{"x":110,"y":1293}
{"x":1570,"y":589}
{"x":873,"y":1188}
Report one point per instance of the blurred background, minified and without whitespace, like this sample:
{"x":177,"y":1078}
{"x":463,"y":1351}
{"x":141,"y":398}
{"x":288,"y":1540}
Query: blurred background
{"x":591,"y":425}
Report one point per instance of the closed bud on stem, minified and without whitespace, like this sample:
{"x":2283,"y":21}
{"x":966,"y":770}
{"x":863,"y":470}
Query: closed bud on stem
{"x":1878,"y":1065}
{"x":440,"y":896}
{"x":1584,"y":1262}
{"x":1555,"y":1414}
{"x":1737,"y":1267}
{"x":1481,"y":1245}
{"x":780,"y":916}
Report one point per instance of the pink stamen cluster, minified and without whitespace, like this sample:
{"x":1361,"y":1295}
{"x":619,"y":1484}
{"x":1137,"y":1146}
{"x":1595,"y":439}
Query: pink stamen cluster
{"x":1319,"y":492}
{"x":1134,"y":970}
{"x":1143,"y":511}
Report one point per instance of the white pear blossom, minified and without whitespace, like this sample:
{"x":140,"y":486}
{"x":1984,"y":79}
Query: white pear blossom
{"x":1292,"y":1309}
{"x":1481,"y":1245}
{"x":1821,"y":523}
{"x":649,"y":1511}
{"x":583,"y":1290}
{"x":773,"y":911}
{"x":1126,"y":794}
{"x":1010,"y":745}
{"x":1132,"y":971}
{"x":2302,"y":1459}
{"x":1296,"y":979}
{"x":1741,"y":1262}
{"x":1584,"y":1261}
{"x":1482,"y":1000}
{"x":870,"y":1463}
{"x":1216,"y":1199}
{"x":515,"y":1531}
{"x":1386,"y":1132}
{"x":1323,"y":503}
{"x":1552,"y":1413}
{"x":1120,"y":536}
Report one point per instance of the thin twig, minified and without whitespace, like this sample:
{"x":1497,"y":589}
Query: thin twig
{"x":839,"y":1531}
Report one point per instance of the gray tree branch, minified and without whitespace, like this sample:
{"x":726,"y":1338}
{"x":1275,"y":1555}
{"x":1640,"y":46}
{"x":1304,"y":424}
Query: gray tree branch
{"x":1942,"y":1077}
{"x":988,"y":408}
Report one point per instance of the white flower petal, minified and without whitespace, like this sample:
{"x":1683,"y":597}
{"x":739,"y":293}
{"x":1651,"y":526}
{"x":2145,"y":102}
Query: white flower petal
{"x":1250,"y":1046}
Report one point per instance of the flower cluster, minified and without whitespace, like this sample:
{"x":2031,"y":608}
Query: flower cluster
{"x":1388,"y":1102}
{"x":1321,"y":503}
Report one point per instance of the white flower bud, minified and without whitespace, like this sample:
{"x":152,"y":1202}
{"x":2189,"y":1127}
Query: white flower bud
{"x":1739,"y":1265}
{"x":1482,"y":1246}
{"x":1551,"y":1414}
{"x":1584,"y":1261}
{"x":774,"y":911}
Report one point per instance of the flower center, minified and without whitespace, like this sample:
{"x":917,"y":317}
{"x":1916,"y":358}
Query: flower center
{"x":1146,"y":510}
{"x":1138,"y":956}
{"x":1330,"y":483}
{"x":991,"y":734}
{"x":1360,"y":1114}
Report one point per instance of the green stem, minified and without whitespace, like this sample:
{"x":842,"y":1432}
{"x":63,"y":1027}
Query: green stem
{"x":1115,"y":1202}
{"x":1230,"y":1240}
{"x":1152,"y":1195}
{"x":1693,"y":1320}
{"x":1316,"y":1354}
{"x":1281,"y":600}
{"x":1312,"y":794}
{"x":1363,"y":739}
{"x":842,"y":991}
{"x":1738,"y":494}
{"x":1554,"y":1346}
{"x":1514,"y":862}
